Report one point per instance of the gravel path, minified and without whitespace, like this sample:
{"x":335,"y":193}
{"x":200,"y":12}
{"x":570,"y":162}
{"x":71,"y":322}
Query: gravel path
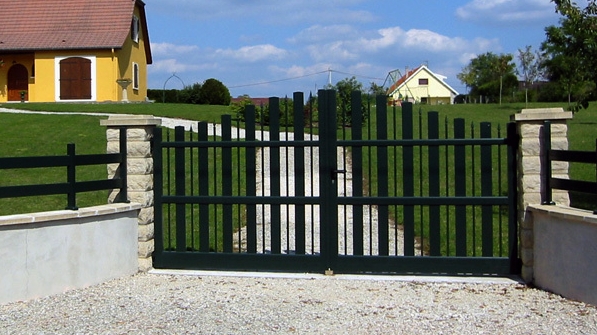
{"x":166,"y":304}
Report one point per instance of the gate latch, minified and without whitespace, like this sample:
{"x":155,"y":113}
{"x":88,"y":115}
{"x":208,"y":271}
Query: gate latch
{"x":336,"y":172}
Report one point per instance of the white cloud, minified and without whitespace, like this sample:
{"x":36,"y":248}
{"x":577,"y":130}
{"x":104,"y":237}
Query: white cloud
{"x":166,"y":49}
{"x":253,"y":53}
{"x":172,"y":65}
{"x":507,"y":11}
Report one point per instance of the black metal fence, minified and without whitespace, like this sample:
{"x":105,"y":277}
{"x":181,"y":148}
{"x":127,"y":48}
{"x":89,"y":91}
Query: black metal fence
{"x":71,"y":186}
{"x":549,"y":155}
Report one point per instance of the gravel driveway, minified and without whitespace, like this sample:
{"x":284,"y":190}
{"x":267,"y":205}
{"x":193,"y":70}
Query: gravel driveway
{"x":179,"y":304}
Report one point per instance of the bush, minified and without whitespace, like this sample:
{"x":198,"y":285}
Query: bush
{"x":213,"y":92}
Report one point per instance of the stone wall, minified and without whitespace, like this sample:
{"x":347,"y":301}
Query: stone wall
{"x":530,"y":124}
{"x":139,"y":132}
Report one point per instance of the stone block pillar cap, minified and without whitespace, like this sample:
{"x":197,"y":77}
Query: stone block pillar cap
{"x":542,"y":114}
{"x":131,"y":120}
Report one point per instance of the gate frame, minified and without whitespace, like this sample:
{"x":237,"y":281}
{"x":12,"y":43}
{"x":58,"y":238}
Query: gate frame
{"x":329,"y":259}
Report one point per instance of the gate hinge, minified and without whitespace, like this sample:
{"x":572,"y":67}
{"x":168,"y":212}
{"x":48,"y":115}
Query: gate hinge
{"x":329,"y":272}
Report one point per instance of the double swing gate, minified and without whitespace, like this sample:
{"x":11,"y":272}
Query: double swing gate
{"x":320,"y":186}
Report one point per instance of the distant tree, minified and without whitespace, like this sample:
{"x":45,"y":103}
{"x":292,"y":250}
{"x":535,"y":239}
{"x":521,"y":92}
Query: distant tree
{"x":190,"y":94}
{"x":344,"y":89}
{"x":571,"y":50}
{"x":490,"y":75}
{"x":238,"y":108}
{"x":530,"y":64}
{"x":376,"y":90}
{"x":214,"y":92}
{"x":467,"y":77}
{"x":504,"y":67}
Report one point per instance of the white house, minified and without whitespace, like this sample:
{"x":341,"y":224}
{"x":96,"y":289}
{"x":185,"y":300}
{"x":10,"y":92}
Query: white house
{"x":421,"y":85}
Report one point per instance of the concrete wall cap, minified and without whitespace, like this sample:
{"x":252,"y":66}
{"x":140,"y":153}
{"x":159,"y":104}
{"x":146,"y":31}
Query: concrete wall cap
{"x":131,"y":120}
{"x":535,"y":114}
{"x":108,"y":209}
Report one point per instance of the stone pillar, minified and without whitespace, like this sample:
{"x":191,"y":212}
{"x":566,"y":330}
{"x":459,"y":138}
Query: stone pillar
{"x":139,"y":173}
{"x":530,"y":123}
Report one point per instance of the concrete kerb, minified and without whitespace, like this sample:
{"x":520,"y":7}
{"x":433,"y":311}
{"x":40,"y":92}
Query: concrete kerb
{"x":514,"y":280}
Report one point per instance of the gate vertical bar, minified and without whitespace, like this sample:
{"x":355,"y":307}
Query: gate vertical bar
{"x":251,"y":178}
{"x":460,"y":187}
{"x":227,"y":229}
{"x":408,"y":183}
{"x":203,"y":165}
{"x":158,"y":191}
{"x":328,"y":189}
{"x":299,"y":171}
{"x":382,"y":176}
{"x":357,"y":173}
{"x":486,"y":190}
{"x":275,"y":174}
{"x":434,"y":184}
{"x":180,"y":181}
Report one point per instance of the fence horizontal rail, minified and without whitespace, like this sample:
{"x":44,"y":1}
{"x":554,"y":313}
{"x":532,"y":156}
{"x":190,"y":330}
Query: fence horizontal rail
{"x":548,"y":155}
{"x":353,"y":143}
{"x":70,"y":161}
{"x":298,"y":200}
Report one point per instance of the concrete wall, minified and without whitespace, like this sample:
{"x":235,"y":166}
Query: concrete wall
{"x":565,"y":251}
{"x":47,"y":253}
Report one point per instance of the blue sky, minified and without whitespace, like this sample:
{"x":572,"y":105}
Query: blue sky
{"x":255,"y":47}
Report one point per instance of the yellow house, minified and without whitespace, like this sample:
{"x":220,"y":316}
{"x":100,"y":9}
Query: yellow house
{"x":420,"y":85}
{"x":73,"y":51}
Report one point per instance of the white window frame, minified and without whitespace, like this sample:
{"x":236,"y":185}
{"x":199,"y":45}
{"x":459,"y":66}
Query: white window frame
{"x":57,"y":61}
{"x":136,"y":75}
{"x":135,"y":27}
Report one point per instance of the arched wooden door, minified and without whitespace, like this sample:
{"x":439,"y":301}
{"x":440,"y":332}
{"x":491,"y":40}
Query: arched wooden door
{"x":75,"y":79}
{"x":18,"y":81}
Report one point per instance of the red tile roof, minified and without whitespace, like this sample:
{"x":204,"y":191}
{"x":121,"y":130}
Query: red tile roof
{"x":29,"y":25}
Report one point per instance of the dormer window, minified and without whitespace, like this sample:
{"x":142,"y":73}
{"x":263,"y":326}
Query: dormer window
{"x":135,"y":29}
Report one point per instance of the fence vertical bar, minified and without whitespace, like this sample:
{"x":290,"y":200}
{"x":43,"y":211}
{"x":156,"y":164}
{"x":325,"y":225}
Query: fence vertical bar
{"x":158,"y":190}
{"x":382,"y":175}
{"x":275,"y":175}
{"x":513,"y":143}
{"x":180,"y":183}
{"x":251,"y":178}
{"x":434,"y":184}
{"x":123,"y":170}
{"x":203,"y":164}
{"x":460,"y":187}
{"x":357,"y":173}
{"x":487,"y":191}
{"x":227,"y":230}
{"x":71,"y":176}
{"x":546,"y":193}
{"x":408,"y":183}
{"x":299,"y":171}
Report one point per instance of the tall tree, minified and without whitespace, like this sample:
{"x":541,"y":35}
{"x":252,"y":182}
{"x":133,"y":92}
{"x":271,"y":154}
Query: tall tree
{"x":489,"y":75}
{"x":571,"y":50}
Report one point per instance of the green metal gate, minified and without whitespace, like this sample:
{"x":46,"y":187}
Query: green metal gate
{"x":314,"y":187}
